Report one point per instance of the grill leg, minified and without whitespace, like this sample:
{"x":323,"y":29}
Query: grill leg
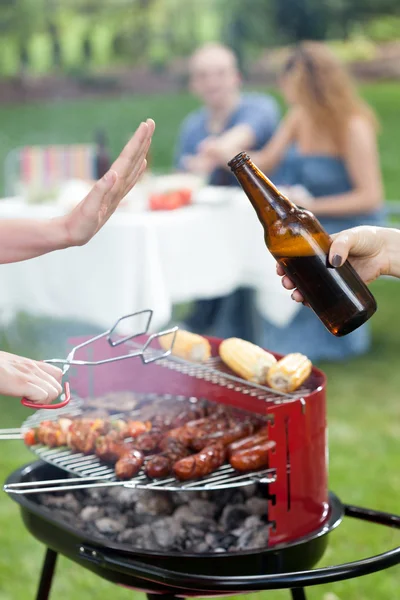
{"x":298,"y":594}
{"x":46,"y":578}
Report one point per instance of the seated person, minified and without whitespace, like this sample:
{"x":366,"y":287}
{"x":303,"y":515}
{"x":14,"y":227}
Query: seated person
{"x":327,"y":144}
{"x":229,"y":122}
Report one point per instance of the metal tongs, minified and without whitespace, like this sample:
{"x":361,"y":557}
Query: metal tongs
{"x":144,"y":353}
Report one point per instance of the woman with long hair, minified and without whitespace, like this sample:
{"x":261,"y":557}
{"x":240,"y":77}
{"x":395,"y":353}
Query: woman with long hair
{"x":327,"y":145}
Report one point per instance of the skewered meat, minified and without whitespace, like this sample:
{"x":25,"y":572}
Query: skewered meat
{"x":83,"y":433}
{"x":52,"y":433}
{"x":135,"y":428}
{"x":30,"y":437}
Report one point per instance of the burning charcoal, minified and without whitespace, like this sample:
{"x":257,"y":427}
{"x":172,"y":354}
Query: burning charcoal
{"x":259,"y":539}
{"x":184,"y":514}
{"x":233,"y":516}
{"x":224,"y":497}
{"x":244,"y":539}
{"x":67,"y":502}
{"x":253,"y":522}
{"x":167,"y":531}
{"x":128,"y":536}
{"x":257,"y":506}
{"x":204,"y":508}
{"x":95,"y":496}
{"x":124,"y":497}
{"x":250,"y":490}
{"x":200,"y":548}
{"x":109,"y":526}
{"x":194,"y":534}
{"x":155,"y":504}
{"x":179,"y":498}
{"x":211,"y":540}
{"x":141,"y":537}
{"x":227,"y":540}
{"x":90,"y":513}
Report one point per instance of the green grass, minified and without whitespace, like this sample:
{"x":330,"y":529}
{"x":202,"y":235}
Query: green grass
{"x":363,"y":395}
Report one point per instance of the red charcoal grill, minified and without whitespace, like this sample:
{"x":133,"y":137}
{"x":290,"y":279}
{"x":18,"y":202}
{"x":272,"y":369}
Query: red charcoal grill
{"x":301,"y":511}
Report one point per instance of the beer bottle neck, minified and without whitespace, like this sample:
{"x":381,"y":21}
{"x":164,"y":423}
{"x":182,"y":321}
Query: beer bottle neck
{"x":269,"y":204}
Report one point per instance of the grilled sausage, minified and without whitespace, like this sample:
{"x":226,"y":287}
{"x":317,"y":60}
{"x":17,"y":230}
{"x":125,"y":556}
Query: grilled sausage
{"x":199,"y":428}
{"x":129,"y":464}
{"x":225,"y":436}
{"x":110,"y":449}
{"x":253,"y":458}
{"x":196,"y":411}
{"x":149,"y":442}
{"x":158,"y":466}
{"x":201,"y":464}
{"x":249,"y":441}
{"x":162,"y":464}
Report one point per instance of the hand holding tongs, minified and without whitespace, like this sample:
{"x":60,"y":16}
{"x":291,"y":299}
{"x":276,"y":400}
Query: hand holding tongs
{"x":69,"y":361}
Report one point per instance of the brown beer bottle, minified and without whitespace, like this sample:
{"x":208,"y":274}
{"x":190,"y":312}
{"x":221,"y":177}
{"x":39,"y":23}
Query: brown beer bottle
{"x":300,"y":245}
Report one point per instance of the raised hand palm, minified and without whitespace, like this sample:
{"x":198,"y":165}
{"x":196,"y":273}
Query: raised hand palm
{"x":101,"y":202}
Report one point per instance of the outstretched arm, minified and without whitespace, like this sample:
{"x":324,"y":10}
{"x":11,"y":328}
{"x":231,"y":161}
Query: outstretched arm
{"x":21,"y":239}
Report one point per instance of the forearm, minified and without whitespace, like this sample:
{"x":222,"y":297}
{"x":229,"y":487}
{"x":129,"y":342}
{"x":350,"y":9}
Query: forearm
{"x":265,"y":160}
{"x":351,"y":203}
{"x":21,"y":239}
{"x":238,"y":139}
{"x":392,"y":242}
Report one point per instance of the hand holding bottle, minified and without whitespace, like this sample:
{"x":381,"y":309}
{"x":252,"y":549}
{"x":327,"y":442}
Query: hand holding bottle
{"x":300,"y":245}
{"x":373,"y":251}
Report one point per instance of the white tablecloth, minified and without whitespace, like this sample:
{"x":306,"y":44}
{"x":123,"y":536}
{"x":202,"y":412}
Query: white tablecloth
{"x":146,"y":260}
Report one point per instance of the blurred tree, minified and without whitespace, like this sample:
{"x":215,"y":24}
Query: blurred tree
{"x":22,"y":19}
{"x":346,"y":14}
{"x":76,"y":34}
{"x":299,"y":20}
{"x":55,"y":44}
{"x":87,"y":50}
{"x":245,"y":30}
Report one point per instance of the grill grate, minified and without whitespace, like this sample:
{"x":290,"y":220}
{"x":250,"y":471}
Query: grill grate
{"x":90,"y":467}
{"x":215,"y":371}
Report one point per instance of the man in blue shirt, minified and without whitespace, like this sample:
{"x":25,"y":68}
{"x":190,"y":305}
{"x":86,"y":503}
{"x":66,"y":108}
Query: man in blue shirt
{"x":228,"y":123}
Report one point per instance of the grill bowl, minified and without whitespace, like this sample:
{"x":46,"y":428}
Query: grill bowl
{"x":43,"y":524}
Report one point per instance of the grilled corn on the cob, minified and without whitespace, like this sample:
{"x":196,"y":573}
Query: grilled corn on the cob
{"x":288,"y":374}
{"x":189,"y":346}
{"x":246,"y":359}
